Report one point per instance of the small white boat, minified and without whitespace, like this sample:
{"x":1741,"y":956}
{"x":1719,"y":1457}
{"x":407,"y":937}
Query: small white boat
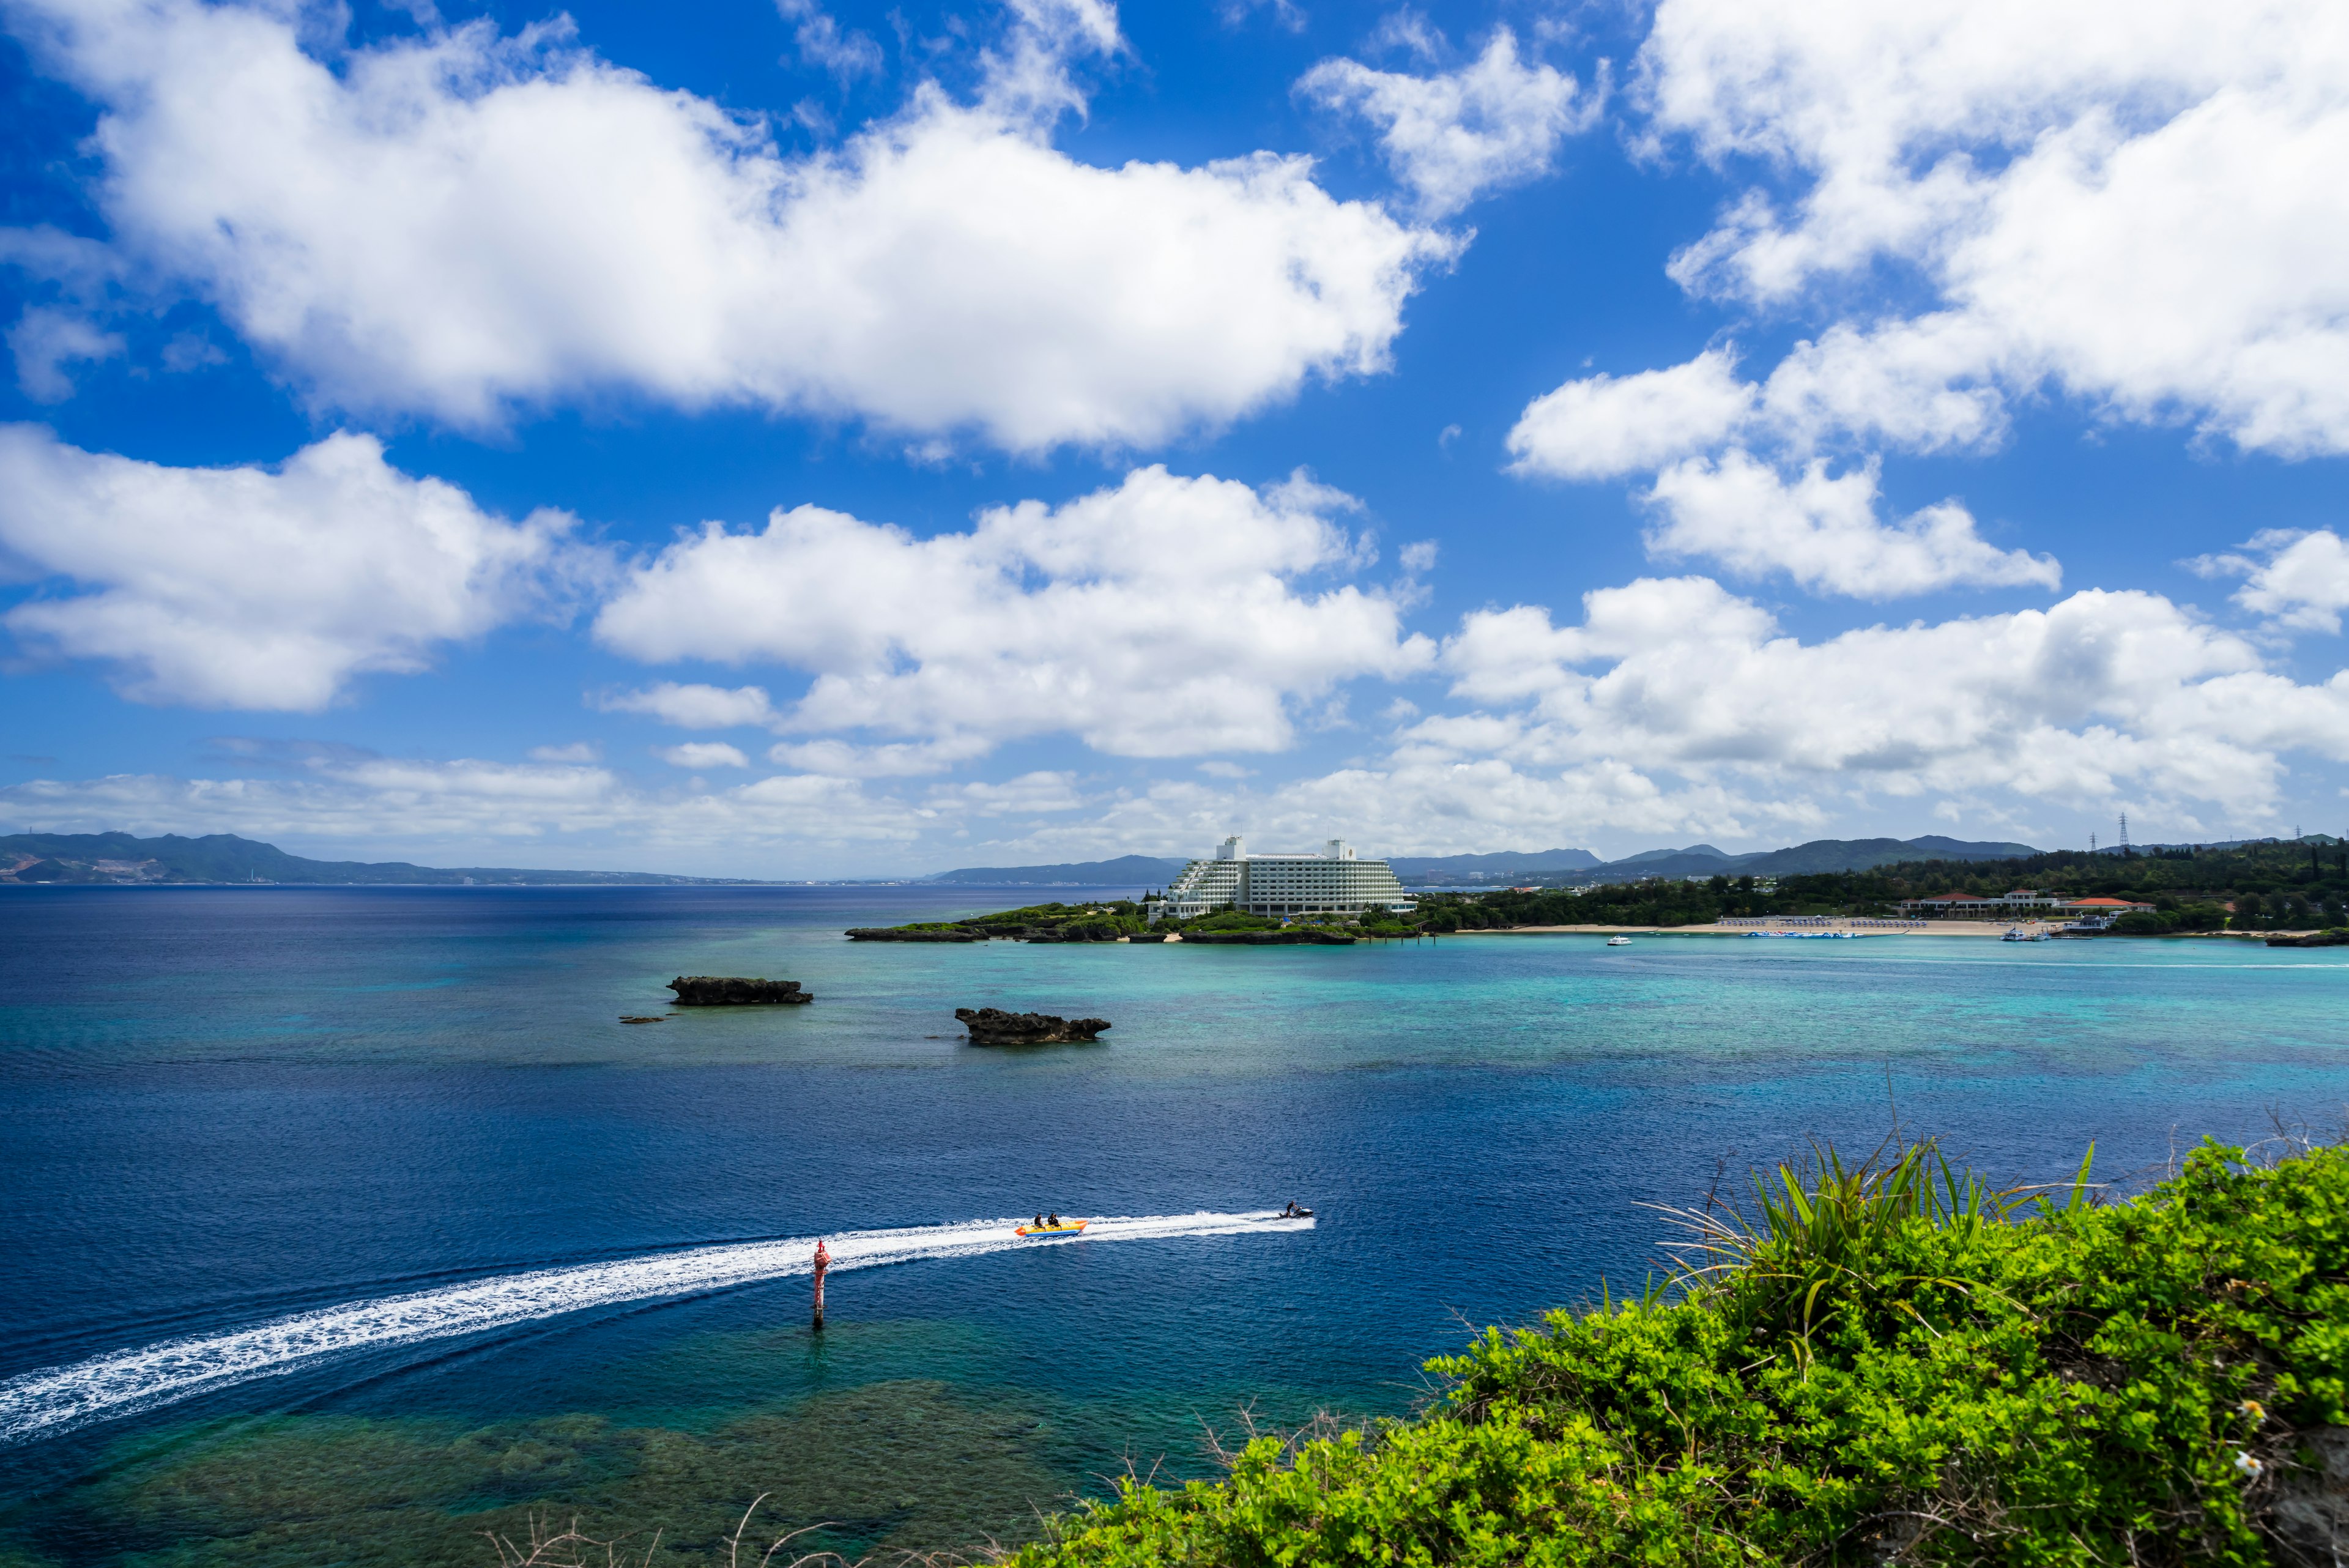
{"x":2017,"y":934}
{"x":1618,"y":942}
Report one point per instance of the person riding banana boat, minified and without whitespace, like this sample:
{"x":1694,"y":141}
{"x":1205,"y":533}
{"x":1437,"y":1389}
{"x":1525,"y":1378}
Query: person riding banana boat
{"x":1049,"y":1225}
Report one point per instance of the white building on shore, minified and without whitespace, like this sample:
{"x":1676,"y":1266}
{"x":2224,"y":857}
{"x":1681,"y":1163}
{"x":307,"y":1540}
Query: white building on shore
{"x":2017,"y":905}
{"x":1334,"y":882}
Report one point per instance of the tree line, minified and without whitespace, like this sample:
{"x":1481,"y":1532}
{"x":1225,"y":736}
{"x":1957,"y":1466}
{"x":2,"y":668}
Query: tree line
{"x":2269,"y":887}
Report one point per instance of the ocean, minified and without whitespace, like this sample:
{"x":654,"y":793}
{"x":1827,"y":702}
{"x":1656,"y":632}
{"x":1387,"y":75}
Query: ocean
{"x":346,"y":1225}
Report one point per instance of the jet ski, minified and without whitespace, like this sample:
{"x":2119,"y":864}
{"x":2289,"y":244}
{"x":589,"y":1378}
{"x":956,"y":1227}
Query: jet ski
{"x":1297,"y":1211}
{"x":1055,"y":1227}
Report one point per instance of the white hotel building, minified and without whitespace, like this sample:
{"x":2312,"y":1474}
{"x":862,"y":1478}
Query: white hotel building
{"x":1335,"y":882}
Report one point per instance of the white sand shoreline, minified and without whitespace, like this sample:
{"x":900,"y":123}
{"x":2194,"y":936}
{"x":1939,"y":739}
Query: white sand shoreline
{"x":1991,"y":928}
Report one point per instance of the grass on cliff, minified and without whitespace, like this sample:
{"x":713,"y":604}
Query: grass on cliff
{"x":1885,"y":1363}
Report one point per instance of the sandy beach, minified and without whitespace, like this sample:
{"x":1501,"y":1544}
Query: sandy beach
{"x":1991,"y":928}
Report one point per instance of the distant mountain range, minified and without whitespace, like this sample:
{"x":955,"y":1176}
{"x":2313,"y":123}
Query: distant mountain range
{"x":1506,"y":866}
{"x":1820,"y":855}
{"x":1142,"y":871}
{"x":1552,"y":866}
{"x":120,"y":858}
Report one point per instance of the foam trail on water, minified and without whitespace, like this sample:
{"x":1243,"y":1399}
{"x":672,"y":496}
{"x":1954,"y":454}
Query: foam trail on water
{"x":125,"y":1381}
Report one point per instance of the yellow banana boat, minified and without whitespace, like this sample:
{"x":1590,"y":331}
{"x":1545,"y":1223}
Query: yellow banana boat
{"x":1065,"y":1228}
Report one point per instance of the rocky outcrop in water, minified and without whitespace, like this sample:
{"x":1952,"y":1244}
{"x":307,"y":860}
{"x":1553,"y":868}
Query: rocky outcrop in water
{"x":734,"y":990}
{"x":993,"y":1026}
{"x":1308,"y":935}
{"x":915,"y":934}
{"x":2315,"y":939}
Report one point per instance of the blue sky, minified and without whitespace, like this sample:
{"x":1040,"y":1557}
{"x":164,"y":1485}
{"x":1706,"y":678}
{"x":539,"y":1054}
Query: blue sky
{"x":852,"y":440}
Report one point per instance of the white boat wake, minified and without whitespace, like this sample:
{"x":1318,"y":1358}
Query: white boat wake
{"x":124,"y":1382}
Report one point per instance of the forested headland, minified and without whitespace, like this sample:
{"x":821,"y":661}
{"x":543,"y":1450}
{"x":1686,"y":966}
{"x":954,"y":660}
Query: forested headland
{"x":2273,"y":887}
{"x":2269,"y":887}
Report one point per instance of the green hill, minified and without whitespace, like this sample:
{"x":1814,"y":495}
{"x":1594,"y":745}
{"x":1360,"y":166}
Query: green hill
{"x":1819,"y":856}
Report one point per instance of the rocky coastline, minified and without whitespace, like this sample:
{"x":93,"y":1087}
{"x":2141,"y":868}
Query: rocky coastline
{"x":912,"y":934}
{"x":1295,"y":936}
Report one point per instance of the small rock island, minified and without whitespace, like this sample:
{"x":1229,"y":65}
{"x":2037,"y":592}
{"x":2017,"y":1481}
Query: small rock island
{"x":734,"y":990}
{"x":993,"y":1026}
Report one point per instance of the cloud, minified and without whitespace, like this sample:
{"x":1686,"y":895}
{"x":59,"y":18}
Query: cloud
{"x":823,"y":44}
{"x":1824,"y":532}
{"x":1289,"y":16}
{"x":45,"y":341}
{"x":694,"y":707}
{"x":698,"y":755}
{"x":468,"y":224}
{"x":578,"y":752}
{"x":538,"y":813}
{"x":2299,"y":580}
{"x":1415,"y":802}
{"x":1603,"y":426}
{"x":1044,"y":793}
{"x":899,"y":758}
{"x":1496,"y":121}
{"x":260,"y":588}
{"x":1161,"y":617}
{"x":2125,"y":203}
{"x":1923,"y":386}
{"x":2101,"y":693}
{"x":1673,"y":707}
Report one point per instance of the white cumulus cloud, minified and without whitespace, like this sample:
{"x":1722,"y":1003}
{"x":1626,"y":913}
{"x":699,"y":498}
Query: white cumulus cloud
{"x":470,"y":810}
{"x":260,"y":588}
{"x":1167,"y":616}
{"x":462,"y":223}
{"x":698,"y":755}
{"x":1673,"y":707}
{"x":694,"y":706}
{"x":2099,"y":693}
{"x":1450,"y":137}
{"x":2131,"y":202}
{"x":45,"y":340}
{"x":1602,"y":427}
{"x":847,"y":53}
{"x":2299,"y":580}
{"x":895,"y":759}
{"x":1824,"y":532}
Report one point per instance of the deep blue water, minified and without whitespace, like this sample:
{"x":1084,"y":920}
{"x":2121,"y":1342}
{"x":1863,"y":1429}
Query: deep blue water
{"x":222,"y":1105}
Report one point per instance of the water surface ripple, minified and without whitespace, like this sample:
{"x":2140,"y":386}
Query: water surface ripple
{"x":399,"y":1210}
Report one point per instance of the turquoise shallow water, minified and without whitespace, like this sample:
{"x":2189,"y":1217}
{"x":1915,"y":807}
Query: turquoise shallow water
{"x":223,"y":1106}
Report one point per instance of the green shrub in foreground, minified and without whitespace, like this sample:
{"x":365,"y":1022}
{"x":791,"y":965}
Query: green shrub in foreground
{"x":1893,"y":1364}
